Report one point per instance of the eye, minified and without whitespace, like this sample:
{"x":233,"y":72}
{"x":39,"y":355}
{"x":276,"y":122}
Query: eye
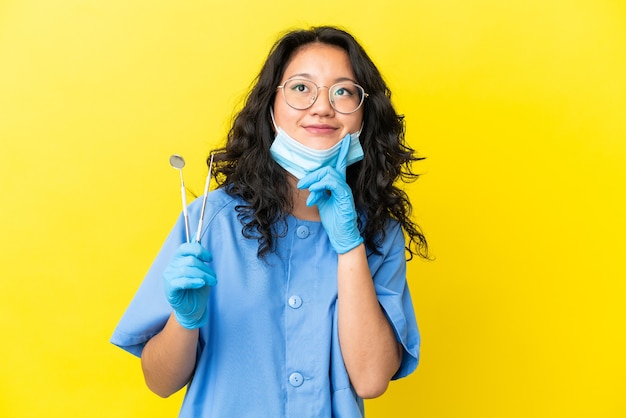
{"x":299,"y":86}
{"x":344,"y":90}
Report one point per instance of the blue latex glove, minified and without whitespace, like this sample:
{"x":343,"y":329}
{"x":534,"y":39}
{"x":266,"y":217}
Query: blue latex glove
{"x":187,"y":281}
{"x":337,"y":210}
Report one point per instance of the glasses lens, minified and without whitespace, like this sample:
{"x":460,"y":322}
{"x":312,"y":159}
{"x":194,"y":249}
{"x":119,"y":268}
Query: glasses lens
{"x":346,"y":97}
{"x":299,"y":94}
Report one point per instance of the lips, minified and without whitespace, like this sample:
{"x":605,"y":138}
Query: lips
{"x":320,"y":129}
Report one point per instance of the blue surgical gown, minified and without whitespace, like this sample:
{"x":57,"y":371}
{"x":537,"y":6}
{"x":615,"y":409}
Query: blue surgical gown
{"x":271,"y":346}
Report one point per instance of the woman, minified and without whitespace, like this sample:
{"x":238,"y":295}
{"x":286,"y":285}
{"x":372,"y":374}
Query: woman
{"x":295,"y":301}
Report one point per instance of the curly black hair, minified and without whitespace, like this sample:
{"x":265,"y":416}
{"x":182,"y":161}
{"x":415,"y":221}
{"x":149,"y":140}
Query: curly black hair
{"x":245,"y":168}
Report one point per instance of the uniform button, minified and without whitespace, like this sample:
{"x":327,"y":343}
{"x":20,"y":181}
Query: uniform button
{"x":296,"y":379}
{"x":302,"y":231}
{"x":295,"y":301}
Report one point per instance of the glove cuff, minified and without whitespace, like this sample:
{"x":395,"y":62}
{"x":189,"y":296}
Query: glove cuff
{"x":347,"y":245}
{"x":191,"y":323}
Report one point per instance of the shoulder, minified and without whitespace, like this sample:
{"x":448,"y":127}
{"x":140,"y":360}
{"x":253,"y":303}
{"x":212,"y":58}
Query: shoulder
{"x":216,"y":201}
{"x":390,"y":235}
{"x":390,"y":246}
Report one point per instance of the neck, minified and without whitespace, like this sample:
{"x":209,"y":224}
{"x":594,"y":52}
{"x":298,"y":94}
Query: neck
{"x":300,"y":209}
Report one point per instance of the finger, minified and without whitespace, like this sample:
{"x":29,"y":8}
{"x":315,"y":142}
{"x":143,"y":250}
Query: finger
{"x":332,"y":182}
{"x":315,"y":197}
{"x":182,"y":262}
{"x":342,"y":159}
{"x":194,"y":270}
{"x":313,"y":177}
{"x":188,"y":266}
{"x":185,"y":283}
{"x":193,"y":274}
{"x":196,"y":250}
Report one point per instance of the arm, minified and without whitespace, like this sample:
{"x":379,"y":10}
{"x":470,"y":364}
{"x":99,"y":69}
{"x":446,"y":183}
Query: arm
{"x":368,"y":344}
{"x":168,"y":359}
{"x":371,"y":353}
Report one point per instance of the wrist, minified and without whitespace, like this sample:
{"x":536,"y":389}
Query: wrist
{"x":191,"y":322}
{"x":347,"y":245}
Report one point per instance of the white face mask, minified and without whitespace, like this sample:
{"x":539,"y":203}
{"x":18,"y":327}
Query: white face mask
{"x":300,"y":160}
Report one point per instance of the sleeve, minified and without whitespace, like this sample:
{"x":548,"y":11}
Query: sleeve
{"x":149,"y":310}
{"x":389,"y":274}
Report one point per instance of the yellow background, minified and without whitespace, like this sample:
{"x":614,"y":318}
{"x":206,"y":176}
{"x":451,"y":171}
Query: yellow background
{"x":519,"y":107}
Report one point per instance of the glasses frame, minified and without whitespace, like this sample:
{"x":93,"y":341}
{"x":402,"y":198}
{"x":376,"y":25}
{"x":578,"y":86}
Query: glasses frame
{"x":317,"y":94}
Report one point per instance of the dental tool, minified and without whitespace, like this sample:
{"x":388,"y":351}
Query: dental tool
{"x":176,"y":161}
{"x":207,"y":184}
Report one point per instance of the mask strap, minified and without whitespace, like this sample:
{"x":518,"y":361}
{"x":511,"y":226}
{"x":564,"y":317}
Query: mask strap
{"x":358,"y":133}
{"x":273,"y":120}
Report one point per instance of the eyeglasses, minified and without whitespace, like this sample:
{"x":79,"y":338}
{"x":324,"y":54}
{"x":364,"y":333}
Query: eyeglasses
{"x":344,"y":97}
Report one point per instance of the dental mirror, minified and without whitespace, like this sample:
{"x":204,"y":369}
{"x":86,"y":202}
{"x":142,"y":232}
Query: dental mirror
{"x":176,"y":161}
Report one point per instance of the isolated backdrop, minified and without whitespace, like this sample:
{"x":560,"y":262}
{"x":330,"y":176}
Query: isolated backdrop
{"x":519,"y":107}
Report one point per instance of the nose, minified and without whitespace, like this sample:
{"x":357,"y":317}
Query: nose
{"x":321,"y":105}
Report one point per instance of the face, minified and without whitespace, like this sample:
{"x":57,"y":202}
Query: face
{"x":320,"y":126}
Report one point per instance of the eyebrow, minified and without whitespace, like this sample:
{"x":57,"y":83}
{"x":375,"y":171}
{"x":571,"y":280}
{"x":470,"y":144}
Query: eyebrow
{"x":310,"y":77}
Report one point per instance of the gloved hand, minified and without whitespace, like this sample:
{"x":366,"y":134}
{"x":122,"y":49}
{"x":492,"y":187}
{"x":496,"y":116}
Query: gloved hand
{"x":337,"y":210}
{"x":187,"y":282}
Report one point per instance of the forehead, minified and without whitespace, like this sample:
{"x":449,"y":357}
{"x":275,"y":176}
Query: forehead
{"x":319,"y":60}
